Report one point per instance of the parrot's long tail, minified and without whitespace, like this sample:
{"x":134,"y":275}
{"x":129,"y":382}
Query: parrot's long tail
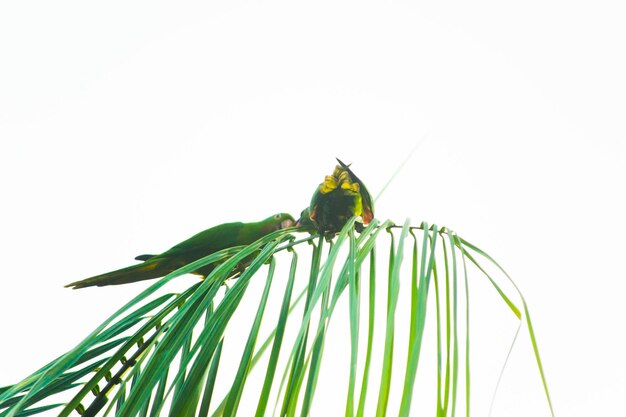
{"x":148,"y":270}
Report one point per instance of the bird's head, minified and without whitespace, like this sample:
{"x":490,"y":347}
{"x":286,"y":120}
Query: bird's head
{"x":281,"y":221}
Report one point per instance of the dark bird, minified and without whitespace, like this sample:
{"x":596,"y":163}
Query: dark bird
{"x":341,"y":196}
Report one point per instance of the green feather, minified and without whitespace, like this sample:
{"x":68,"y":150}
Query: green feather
{"x":198,"y":246}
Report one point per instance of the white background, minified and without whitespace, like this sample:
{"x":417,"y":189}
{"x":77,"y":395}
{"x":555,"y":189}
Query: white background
{"x":127,"y":127}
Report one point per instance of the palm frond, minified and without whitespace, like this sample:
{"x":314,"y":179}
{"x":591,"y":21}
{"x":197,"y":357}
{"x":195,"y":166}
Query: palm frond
{"x":166,"y":353}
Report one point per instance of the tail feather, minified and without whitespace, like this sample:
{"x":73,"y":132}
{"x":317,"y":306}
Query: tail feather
{"x":139,"y":272}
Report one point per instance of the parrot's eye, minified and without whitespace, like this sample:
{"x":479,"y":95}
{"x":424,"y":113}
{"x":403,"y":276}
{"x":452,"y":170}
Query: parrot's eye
{"x":277,"y":216}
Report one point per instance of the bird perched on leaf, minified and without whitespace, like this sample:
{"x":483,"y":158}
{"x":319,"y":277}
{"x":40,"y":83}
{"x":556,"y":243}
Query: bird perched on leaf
{"x":203,"y":244}
{"x":341,"y":196}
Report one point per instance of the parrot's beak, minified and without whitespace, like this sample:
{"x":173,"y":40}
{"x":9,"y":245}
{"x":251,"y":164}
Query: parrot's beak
{"x":303,"y":215}
{"x":286,"y":223}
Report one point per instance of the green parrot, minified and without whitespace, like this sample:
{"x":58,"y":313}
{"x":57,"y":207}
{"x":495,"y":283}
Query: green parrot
{"x":203,"y":244}
{"x":341,"y":196}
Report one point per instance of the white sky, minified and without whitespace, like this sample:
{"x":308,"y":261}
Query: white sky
{"x":127,"y":127}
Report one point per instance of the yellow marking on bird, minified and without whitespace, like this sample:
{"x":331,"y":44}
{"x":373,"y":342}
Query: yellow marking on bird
{"x":149,"y":266}
{"x":350,"y":187}
{"x":329,"y":184}
{"x":358,"y":207}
